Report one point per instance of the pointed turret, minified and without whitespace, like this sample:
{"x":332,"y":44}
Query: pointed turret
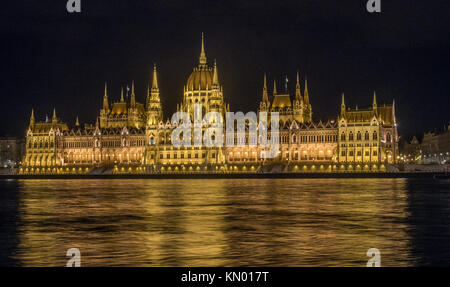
{"x":77,"y":123}
{"x":393,"y":111}
{"x":202,"y":59}
{"x":298,"y":93}
{"x":306,"y":95}
{"x":342,"y":105}
{"x":121,"y":95}
{"x":32,"y":117}
{"x":154,"y":95}
{"x":374,"y":104}
{"x":105,"y":99}
{"x":54,"y":119}
{"x":265,"y":96}
{"x":274,"y":87}
{"x":154,"y":109}
{"x":215,"y":76}
{"x":133,"y":96}
{"x":155,"y":79}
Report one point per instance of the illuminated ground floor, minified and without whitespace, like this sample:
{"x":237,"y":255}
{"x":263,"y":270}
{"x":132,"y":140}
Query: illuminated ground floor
{"x":273,"y":167}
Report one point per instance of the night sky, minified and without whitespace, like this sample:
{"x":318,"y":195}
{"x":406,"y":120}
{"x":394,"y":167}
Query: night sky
{"x":50,"y":58}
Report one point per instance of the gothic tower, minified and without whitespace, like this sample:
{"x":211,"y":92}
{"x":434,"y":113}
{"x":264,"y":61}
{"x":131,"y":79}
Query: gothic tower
{"x":153,"y":103}
{"x":298,"y":103}
{"x":307,"y":106}
{"x":264,"y":105}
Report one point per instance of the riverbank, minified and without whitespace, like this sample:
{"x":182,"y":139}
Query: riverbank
{"x":439,"y":175}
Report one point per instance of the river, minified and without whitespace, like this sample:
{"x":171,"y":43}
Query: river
{"x":225,"y":222}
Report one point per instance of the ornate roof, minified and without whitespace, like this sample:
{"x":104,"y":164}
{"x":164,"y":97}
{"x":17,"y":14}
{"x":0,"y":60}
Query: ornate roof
{"x":121,"y":108}
{"x":46,"y":127}
{"x":281,"y":101}
{"x":359,"y":116}
{"x":386,"y":113}
{"x":383,"y":113}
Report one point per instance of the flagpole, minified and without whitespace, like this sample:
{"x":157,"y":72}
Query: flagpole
{"x":285,"y":84}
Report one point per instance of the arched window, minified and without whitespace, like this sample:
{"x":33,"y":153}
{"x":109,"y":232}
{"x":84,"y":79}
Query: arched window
{"x":343,"y":137}
{"x":375,"y":136}
{"x":388,"y":137}
{"x":358,"y":136}
{"x":350,"y":136}
{"x":366,"y":136}
{"x":294,"y":139}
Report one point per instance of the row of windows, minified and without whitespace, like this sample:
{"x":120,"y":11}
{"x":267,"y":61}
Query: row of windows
{"x":359,"y":136}
{"x":40,"y":144}
{"x":359,"y":145}
{"x":313,"y":138}
{"x":77,"y":144}
{"x":359,"y":153}
{"x":182,"y":155}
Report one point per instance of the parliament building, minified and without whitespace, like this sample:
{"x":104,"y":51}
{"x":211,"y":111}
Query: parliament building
{"x":133,"y":137}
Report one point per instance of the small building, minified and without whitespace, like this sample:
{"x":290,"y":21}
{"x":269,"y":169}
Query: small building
{"x":436,"y":147}
{"x":11,"y":151}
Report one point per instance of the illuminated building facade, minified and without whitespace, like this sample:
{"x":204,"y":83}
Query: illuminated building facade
{"x":368,"y":136}
{"x":133,"y":137}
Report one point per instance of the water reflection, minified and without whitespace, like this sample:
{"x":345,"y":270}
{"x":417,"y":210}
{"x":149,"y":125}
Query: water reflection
{"x":245,"y":222}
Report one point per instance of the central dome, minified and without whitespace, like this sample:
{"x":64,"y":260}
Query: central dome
{"x":203,"y":77}
{"x":200,"y":79}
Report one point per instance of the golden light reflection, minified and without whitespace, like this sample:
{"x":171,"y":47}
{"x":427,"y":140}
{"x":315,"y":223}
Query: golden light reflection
{"x":282,"y":222}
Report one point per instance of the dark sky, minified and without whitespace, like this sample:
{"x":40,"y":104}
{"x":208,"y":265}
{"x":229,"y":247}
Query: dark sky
{"x":50,"y":58}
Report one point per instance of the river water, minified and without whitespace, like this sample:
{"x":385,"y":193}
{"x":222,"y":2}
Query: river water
{"x":225,"y":222}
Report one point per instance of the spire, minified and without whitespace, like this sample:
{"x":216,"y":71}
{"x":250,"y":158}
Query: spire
{"x":77,"y":123}
{"x":32,"y":117}
{"x":265,"y":97}
{"x":342,"y":105}
{"x":298,"y":93}
{"x":133,"y":96}
{"x":374,"y":105}
{"x":54,"y":119}
{"x":274,"y":87}
{"x":121,"y":95}
{"x":97,"y":124}
{"x":215,"y":77}
{"x":154,"y":92}
{"x":306,"y":96}
{"x":393,"y":111}
{"x":202,"y":53}
{"x":105,"y":99}
{"x":155,"y":79}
